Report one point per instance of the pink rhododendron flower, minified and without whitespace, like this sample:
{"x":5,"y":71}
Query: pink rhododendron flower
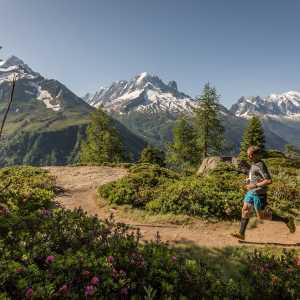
{"x":50,"y":259}
{"x":86,"y":273}
{"x":89,"y":290}
{"x":124,"y":291}
{"x":110,"y":259}
{"x":63,"y":289}
{"x":114,"y":272}
{"x":29,"y":293}
{"x":174,"y":258}
{"x":95,"y":280}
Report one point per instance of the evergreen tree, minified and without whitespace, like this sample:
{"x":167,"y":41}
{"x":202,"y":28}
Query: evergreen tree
{"x":208,"y":127}
{"x":183,"y":151}
{"x":153,"y":155}
{"x":253,"y":135}
{"x":103,"y":143}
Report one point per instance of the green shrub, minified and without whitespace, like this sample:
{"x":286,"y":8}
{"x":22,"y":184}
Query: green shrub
{"x":161,"y":190}
{"x":153,"y":155}
{"x":217,"y":195}
{"x":139,"y":187}
{"x":21,"y":184}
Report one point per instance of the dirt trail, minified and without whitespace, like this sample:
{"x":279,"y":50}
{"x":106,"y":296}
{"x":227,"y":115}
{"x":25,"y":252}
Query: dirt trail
{"x":80,"y":184}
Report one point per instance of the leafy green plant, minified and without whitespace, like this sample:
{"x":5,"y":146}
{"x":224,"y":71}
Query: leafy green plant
{"x":160,"y":190}
{"x":53,"y":253}
{"x":139,"y":186}
{"x":25,"y":189}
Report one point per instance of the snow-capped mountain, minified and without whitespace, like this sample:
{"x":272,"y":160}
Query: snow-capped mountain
{"x":143,"y":93}
{"x":31,"y":85}
{"x":279,"y":113}
{"x":286,"y":105}
{"x":46,"y":122}
{"x":15,"y":65}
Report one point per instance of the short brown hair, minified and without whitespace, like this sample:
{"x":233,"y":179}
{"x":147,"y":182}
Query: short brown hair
{"x":254,"y":149}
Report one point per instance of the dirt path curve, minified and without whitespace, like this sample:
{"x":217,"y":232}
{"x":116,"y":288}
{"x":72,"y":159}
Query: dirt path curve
{"x":80,"y":184}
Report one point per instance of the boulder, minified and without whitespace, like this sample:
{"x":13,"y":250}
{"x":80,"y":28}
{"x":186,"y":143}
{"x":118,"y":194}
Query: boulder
{"x":211,"y":163}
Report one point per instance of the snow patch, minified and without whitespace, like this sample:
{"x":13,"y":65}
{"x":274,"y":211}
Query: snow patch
{"x":141,"y":77}
{"x":9,"y":69}
{"x":46,"y":97}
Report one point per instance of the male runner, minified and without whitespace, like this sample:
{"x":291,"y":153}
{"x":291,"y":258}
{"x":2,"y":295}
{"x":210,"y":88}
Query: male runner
{"x":256,"y":197}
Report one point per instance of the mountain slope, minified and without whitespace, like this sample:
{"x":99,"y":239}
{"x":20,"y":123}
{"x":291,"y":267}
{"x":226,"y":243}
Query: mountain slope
{"x":46,"y":121}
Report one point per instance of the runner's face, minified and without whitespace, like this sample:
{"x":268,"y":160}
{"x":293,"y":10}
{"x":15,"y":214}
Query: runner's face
{"x":250,"y":155}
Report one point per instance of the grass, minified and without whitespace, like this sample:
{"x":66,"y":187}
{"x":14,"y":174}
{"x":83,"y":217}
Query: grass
{"x":138,"y":215}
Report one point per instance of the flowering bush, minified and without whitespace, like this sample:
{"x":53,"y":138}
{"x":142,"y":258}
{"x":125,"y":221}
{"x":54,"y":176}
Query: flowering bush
{"x":76,"y":256}
{"x":274,"y":277}
{"x":53,"y":253}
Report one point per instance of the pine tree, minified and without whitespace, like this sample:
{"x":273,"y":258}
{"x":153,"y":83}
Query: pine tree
{"x":183,"y":151}
{"x":208,"y":127}
{"x":103,"y":143}
{"x":253,"y":135}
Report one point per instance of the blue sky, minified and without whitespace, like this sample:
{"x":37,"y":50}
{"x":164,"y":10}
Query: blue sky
{"x":242,"y":47}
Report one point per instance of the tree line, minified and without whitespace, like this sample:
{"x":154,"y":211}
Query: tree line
{"x":194,"y":138}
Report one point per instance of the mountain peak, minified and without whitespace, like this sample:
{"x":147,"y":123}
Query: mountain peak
{"x":279,"y":105}
{"x":14,"y":64}
{"x":144,"y":92}
{"x":173,"y":84}
{"x":12,"y":61}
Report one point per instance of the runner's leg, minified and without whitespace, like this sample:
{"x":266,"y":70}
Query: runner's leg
{"x":246,"y":214}
{"x":268,"y":214}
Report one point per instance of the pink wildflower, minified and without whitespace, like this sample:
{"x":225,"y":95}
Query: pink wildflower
{"x":110,"y":259}
{"x":89,"y":290}
{"x":86,"y":273}
{"x":114,"y":273}
{"x":298,"y":262}
{"x":50,"y":259}
{"x":95,"y":280}
{"x":124,"y":291}
{"x":174,"y":258}
{"x":63,"y":289}
{"x":29,"y":293}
